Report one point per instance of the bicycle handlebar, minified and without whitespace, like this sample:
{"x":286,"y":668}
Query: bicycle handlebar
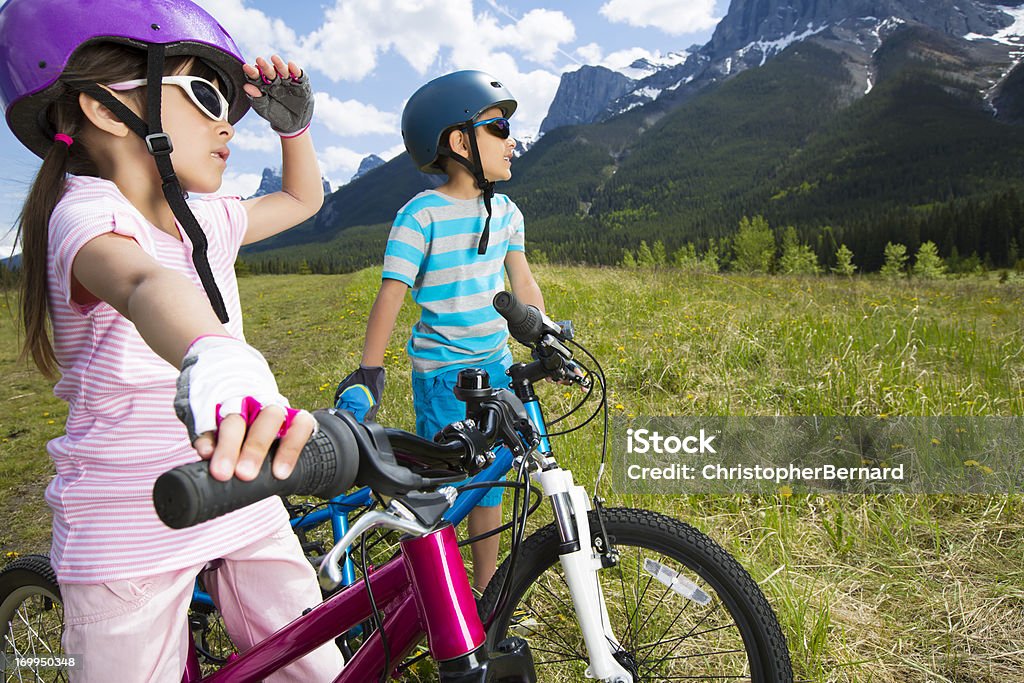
{"x":188,"y":495}
{"x":525,"y":323}
{"x":345,"y":452}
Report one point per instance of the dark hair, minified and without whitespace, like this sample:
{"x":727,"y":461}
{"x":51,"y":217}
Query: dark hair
{"x":94,"y":63}
{"x":444,"y":147}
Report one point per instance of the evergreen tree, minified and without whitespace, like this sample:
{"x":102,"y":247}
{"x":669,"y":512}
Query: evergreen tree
{"x":895,"y":260}
{"x":686,"y":257}
{"x":710,"y":258}
{"x":754,"y":246}
{"x":658,"y":254}
{"x":644,"y":256}
{"x":539,"y":257}
{"x":628,"y":261}
{"x":797,"y":259}
{"x":928,"y":264}
{"x":844,"y":261}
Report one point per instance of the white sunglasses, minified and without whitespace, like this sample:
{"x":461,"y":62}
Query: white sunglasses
{"x":203,"y":94}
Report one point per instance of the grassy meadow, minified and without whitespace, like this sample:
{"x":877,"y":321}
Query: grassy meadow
{"x":878,"y":589}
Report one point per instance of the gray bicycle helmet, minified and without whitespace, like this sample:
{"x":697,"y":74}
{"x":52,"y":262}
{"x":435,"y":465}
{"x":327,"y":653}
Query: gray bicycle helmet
{"x":449,"y":102}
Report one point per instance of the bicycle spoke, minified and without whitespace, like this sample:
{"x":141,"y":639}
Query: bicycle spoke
{"x":555,"y":652}
{"x":655,"y":644}
{"x":653,"y":663}
{"x":29,"y":635}
{"x":628,"y":640}
{"x":553,"y":629}
{"x":661,"y":599}
{"x":640,"y":598}
{"x":661,"y":635}
{"x":705,"y":654}
{"x":704,"y":678}
{"x":34,"y":635}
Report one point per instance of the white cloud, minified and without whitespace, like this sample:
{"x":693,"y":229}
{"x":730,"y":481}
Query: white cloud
{"x":355,"y":33}
{"x":339,"y":163}
{"x":261,"y":139}
{"x":534,"y":92}
{"x":671,"y":16}
{"x":7,"y":242}
{"x":351,"y":117}
{"x":241,"y":184}
{"x":431,"y":36}
{"x":623,"y":58}
{"x":540,"y":33}
{"x":254,"y":32}
{"x":392,"y":152}
{"x":590,"y":53}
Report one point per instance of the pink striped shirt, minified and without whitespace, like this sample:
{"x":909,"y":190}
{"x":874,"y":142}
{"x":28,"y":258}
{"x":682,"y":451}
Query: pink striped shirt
{"x":121,"y":432}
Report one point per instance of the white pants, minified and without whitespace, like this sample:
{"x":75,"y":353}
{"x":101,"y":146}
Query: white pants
{"x":136,"y":631}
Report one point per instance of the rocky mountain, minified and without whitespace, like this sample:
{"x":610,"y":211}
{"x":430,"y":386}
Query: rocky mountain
{"x":271,"y":182}
{"x":751,"y":27}
{"x":368,"y":164}
{"x":754,"y":31}
{"x":856,"y":121}
{"x":583,"y":96}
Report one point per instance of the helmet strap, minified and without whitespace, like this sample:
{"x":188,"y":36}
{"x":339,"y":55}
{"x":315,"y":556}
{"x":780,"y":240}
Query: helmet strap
{"x":476,"y":169}
{"x":159,"y":145}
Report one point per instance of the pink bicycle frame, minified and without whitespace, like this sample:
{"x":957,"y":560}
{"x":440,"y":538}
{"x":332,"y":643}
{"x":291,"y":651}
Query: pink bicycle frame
{"x":425,"y":590}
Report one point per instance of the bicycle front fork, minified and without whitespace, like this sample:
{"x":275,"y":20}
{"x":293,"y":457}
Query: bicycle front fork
{"x":580,"y":564}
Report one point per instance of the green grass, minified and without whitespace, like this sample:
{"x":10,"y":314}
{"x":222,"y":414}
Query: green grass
{"x":880,"y":588}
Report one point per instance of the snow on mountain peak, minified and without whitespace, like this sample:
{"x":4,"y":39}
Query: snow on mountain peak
{"x":1012,"y":34}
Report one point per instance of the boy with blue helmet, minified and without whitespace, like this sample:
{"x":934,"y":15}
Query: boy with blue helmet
{"x":453,"y":246}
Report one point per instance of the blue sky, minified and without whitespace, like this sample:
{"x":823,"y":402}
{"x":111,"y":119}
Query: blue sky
{"x":365,"y":57}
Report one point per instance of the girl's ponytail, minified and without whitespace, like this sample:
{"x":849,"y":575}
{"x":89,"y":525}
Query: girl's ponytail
{"x":33,"y":229}
{"x":68,"y":153}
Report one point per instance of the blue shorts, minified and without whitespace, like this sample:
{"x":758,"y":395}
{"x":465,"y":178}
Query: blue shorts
{"x":434,"y":400}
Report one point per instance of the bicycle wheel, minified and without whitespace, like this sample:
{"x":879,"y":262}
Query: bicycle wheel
{"x":681,"y":607}
{"x":210,"y":638}
{"x":32,"y":616}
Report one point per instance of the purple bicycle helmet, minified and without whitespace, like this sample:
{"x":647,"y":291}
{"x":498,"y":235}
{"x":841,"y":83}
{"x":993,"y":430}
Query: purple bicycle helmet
{"x":37,"y":37}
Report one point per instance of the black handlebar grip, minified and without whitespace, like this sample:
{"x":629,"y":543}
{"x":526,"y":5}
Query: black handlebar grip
{"x":188,"y":495}
{"x":525,"y":323}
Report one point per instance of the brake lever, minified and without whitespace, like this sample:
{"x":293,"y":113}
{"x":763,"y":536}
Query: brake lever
{"x":572,"y":372}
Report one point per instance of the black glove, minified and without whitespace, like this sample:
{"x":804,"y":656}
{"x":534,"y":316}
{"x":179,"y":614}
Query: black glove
{"x":360,"y":392}
{"x":287,"y":103}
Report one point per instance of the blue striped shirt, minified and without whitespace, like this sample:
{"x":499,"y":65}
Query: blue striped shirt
{"x":433,"y":249}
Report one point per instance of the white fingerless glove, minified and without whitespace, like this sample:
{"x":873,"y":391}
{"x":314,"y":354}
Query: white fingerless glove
{"x":221,"y":376}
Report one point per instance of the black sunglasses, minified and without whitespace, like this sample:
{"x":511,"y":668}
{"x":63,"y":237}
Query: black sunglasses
{"x":498,"y":126}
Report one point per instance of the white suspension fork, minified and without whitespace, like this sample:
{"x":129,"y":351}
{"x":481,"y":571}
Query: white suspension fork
{"x":581,"y":566}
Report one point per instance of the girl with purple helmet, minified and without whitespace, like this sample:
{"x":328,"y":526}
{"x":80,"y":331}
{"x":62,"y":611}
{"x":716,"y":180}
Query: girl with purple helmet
{"x":129,"y":295}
